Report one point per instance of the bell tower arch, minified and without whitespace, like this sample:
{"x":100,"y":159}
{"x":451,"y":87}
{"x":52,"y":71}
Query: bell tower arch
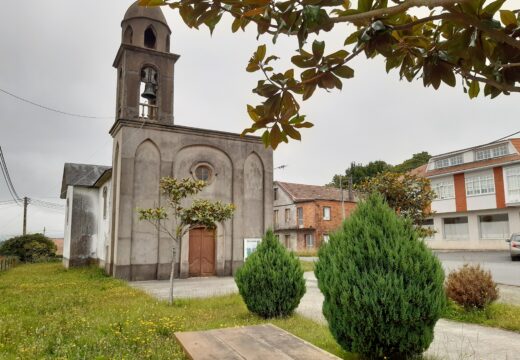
{"x":145,"y":67}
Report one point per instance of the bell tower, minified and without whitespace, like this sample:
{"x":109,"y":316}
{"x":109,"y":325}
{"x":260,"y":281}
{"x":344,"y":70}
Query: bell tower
{"x":145,"y":67}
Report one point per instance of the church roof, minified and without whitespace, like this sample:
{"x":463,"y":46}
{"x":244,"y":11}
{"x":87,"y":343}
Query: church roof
{"x":80,"y":175}
{"x":149,"y":12}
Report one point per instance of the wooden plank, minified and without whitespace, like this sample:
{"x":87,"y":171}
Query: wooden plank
{"x":249,"y":343}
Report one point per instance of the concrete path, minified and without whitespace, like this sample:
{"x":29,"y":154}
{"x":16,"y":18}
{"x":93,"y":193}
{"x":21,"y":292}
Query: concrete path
{"x":457,"y":341}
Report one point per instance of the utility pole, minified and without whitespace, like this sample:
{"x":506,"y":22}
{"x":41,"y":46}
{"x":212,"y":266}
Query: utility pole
{"x":25,"y":203}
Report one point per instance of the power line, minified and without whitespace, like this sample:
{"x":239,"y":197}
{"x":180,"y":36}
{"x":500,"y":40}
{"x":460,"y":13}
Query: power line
{"x":52,"y":109}
{"x":7,"y":178}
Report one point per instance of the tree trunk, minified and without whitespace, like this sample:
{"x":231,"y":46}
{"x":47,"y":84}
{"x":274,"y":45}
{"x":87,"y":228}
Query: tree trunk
{"x":172,"y":275}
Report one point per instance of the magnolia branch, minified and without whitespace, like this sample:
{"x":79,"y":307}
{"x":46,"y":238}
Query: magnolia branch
{"x":380,"y":13}
{"x":500,"y":86}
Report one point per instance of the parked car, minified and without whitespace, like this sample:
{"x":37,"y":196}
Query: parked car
{"x":514,"y":246}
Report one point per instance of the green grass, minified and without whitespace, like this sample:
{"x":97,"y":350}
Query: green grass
{"x":307,"y":265}
{"x":307,"y":252}
{"x":498,"y":315}
{"x":49,"y":312}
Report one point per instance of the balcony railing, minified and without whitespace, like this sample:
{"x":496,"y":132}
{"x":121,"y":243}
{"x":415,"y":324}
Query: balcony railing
{"x":148,"y":111}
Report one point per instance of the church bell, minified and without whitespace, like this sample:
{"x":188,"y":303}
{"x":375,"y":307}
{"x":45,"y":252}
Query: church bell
{"x":149,"y":91}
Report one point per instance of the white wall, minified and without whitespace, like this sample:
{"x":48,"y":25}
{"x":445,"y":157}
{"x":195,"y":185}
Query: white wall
{"x":103,"y":233}
{"x":474,"y":242}
{"x":443,"y":205}
{"x":68,"y":217}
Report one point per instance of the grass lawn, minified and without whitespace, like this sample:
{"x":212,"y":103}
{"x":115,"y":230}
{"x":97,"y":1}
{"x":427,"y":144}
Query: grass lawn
{"x":307,"y":265}
{"x":499,"y":315}
{"x":49,"y":312}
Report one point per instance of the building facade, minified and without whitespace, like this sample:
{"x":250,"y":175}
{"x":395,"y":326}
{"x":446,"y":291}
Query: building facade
{"x":148,"y":146}
{"x":305,"y":215}
{"x":478,"y":196}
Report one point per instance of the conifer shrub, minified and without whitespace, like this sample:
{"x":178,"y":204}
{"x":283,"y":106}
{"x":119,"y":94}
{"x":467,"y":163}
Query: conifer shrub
{"x":471,"y":287}
{"x":383,"y":287}
{"x":271,"y":280}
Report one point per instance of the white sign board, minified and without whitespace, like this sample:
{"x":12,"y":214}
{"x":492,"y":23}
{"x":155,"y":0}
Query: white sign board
{"x":250,"y":246}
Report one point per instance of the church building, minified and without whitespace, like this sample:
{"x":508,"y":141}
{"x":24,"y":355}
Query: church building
{"x":102,"y":224}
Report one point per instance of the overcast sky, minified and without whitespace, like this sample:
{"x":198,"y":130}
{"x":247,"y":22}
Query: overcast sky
{"x":59,"y":53}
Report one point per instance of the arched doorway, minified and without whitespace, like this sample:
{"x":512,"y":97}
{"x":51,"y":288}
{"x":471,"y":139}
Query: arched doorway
{"x":202,"y":252}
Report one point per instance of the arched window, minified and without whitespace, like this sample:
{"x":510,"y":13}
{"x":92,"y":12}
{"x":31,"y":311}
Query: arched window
{"x":105,"y":191}
{"x":128,"y":35}
{"x":149,"y":38}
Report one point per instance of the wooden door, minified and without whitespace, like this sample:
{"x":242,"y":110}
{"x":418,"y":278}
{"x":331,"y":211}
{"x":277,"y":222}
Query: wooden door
{"x":202,"y":252}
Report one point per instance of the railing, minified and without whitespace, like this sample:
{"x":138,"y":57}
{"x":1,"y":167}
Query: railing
{"x":148,"y":111}
{"x":7,"y":262}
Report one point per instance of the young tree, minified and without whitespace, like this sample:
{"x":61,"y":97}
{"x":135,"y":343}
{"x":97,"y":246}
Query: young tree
{"x":476,"y":41}
{"x":409,"y":195}
{"x":201,"y":213}
{"x":359,"y":173}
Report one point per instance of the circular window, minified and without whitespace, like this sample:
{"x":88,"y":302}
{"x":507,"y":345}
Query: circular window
{"x":203,"y":172}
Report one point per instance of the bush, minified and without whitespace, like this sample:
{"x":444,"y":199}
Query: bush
{"x":271,"y":280}
{"x":29,"y":248}
{"x":471,"y":287}
{"x":383,"y":287}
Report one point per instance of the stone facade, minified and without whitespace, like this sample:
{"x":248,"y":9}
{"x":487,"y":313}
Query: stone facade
{"x":148,"y":146}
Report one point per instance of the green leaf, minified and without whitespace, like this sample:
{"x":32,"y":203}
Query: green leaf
{"x":352,"y":38}
{"x":291,"y":131}
{"x":474,"y":89}
{"x":492,"y":8}
{"x":275,"y":136}
{"x":252,"y":113}
{"x":364,"y":5}
{"x":265,"y":138}
{"x":260,"y":53}
{"x":318,"y":47}
{"x":508,"y":18}
{"x":344,"y":72}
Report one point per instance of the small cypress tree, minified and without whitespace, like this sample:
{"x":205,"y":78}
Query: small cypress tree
{"x":383,"y":287}
{"x":271,"y":280}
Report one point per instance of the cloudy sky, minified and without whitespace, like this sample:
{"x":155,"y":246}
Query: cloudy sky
{"x":59,"y":53}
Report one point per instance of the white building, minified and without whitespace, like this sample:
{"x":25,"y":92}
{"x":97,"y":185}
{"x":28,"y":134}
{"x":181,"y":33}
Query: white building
{"x":478,"y":196}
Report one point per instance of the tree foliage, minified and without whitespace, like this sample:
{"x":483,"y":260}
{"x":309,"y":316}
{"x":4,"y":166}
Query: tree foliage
{"x":360,"y":172}
{"x":383,"y":287}
{"x":271,"y":280}
{"x":475,"y":41}
{"x":409,"y":195}
{"x":201,"y":213}
{"x":29,"y":248}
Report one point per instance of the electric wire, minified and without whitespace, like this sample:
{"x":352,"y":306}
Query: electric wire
{"x":52,"y":109}
{"x":7,"y":178}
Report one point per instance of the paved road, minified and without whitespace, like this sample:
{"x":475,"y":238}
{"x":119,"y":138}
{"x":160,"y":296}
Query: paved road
{"x":452,"y":340}
{"x":504,"y":270}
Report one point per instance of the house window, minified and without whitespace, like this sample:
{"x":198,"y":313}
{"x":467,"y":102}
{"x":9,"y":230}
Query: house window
{"x":288,"y":241}
{"x":275,"y":196}
{"x":105,"y":203}
{"x":287,"y":215}
{"x":275,"y":218}
{"x":456,"y":228}
{"x":326,"y":238}
{"x":494,"y":226}
{"x":513,"y":182}
{"x":300,"y":216}
{"x":326,"y":213}
{"x":480,"y":185}
{"x":444,"y":190}
{"x":449,"y":161}
{"x":492,"y":152}
{"x":309,"y":241}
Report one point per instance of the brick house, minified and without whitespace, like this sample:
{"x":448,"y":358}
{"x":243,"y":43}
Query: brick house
{"x":304,"y":215}
{"x":478,"y":196}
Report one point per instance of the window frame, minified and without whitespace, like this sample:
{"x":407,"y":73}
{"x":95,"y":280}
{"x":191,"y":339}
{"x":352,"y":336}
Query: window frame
{"x":475,"y":185}
{"x":465,"y":238}
{"x":445,"y":190}
{"x":492,"y":152}
{"x":287,"y":215}
{"x":325,"y":218}
{"x":512,"y":176}
{"x":311,"y":237}
{"x":275,"y":217}
{"x":299,"y":216}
